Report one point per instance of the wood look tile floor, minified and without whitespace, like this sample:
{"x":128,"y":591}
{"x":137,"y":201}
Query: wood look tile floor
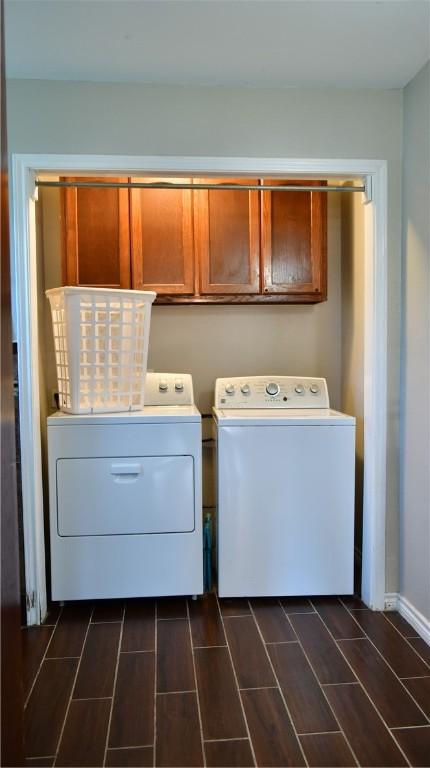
{"x":264,"y":682}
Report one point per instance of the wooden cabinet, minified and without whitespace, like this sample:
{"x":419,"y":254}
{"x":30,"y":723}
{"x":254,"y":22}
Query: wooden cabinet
{"x":293,"y":241}
{"x":162,"y":251}
{"x":95,"y":233}
{"x":199,"y":246}
{"x":227,"y":239}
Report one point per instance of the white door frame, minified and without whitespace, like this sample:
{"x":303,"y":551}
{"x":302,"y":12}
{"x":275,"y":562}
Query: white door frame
{"x":24,"y":168}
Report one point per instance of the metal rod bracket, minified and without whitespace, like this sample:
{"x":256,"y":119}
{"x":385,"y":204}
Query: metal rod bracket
{"x":34,"y":186}
{"x":368,"y":188}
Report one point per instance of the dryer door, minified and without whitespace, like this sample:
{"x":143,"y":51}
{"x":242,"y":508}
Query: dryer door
{"x":126,"y":495}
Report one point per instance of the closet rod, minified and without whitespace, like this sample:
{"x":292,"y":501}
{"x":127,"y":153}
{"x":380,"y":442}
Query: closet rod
{"x":170,"y":185}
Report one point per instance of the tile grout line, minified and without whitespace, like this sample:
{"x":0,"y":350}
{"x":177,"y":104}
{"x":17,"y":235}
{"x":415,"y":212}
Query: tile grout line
{"x":108,"y":621}
{"x":323,"y":692}
{"x":60,"y":658}
{"x":320,"y":733}
{"x":150,"y":650}
{"x":342,"y":602}
{"x":331,"y":685}
{"x":408,"y":727}
{"x":236,"y":680}
{"x":360,"y":682}
{"x":155,"y":680}
{"x":408,"y":639}
{"x":405,"y":637}
{"x":94,"y":698}
{"x":278,"y":684}
{"x":235,"y":738}
{"x":362,"y":686}
{"x":114,"y":684}
{"x":72,"y":688}
{"x":296,"y":613}
{"x":204,"y":647}
{"x":132,"y":746}
{"x":362,"y":636}
{"x":197,"y":688}
{"x":173,"y":693}
{"x":43,"y":658}
{"x":395,"y":675}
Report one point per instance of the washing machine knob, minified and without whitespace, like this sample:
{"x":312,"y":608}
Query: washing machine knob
{"x":229,"y":388}
{"x":163,"y":385}
{"x":314,"y":389}
{"x":245,"y":389}
{"x":179,"y":385}
{"x":299,"y":389}
{"x":272,"y":388}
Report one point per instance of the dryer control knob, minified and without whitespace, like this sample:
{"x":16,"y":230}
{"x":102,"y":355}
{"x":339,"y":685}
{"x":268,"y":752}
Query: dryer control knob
{"x":314,"y":389}
{"x":245,"y":389}
{"x":179,"y":385}
{"x":299,"y":389}
{"x":163,"y":385}
{"x":272,"y":389}
{"x":229,"y":388}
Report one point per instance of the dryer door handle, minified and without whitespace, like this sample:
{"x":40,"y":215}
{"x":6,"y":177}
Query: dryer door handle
{"x":123,"y":472}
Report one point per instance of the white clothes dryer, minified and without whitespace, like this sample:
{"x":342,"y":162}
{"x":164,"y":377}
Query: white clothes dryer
{"x":285,"y":488}
{"x":125,"y":498}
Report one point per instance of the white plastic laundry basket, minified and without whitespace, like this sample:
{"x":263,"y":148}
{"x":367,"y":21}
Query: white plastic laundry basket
{"x":101,"y":338}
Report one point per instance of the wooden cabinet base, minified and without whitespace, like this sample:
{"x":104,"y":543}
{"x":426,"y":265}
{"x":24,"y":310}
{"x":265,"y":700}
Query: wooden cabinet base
{"x":301,"y":298}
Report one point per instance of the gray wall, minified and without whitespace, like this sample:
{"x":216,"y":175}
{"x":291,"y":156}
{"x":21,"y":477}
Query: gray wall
{"x":89,"y":118}
{"x":415,"y":443}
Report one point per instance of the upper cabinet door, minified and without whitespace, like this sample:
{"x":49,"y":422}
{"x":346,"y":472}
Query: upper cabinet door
{"x":95,"y":230}
{"x":162,"y":254}
{"x":227,"y":239}
{"x":294,"y":240}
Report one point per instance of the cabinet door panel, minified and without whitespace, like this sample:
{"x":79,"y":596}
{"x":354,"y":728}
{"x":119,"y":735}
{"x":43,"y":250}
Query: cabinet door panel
{"x":96,"y":235}
{"x":162,"y":239}
{"x":228,"y":239}
{"x":294,"y":240}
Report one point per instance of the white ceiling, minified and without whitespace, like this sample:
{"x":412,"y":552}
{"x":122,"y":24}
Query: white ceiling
{"x":269,"y":43}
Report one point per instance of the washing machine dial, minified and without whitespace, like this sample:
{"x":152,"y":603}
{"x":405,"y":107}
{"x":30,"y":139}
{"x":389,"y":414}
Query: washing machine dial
{"x":163,"y":385}
{"x":179,"y":385}
{"x":229,"y":388}
{"x":299,"y":389}
{"x":245,"y":389}
{"x":272,"y":389}
{"x":314,"y":389}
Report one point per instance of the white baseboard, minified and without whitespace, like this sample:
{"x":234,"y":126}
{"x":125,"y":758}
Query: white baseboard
{"x":396,"y":602}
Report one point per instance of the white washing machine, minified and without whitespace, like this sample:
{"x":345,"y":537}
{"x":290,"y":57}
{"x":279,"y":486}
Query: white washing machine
{"x":125,"y":498}
{"x":285,"y":488}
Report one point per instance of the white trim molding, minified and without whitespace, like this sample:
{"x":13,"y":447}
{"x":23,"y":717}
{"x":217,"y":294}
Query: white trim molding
{"x":396,"y":602}
{"x":375,"y":331}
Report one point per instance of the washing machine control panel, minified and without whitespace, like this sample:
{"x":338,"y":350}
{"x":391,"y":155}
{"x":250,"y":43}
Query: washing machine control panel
{"x":169,"y":389}
{"x":271,"y":392}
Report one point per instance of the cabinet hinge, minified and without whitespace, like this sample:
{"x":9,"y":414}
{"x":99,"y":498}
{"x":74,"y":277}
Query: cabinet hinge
{"x":30,"y":600}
